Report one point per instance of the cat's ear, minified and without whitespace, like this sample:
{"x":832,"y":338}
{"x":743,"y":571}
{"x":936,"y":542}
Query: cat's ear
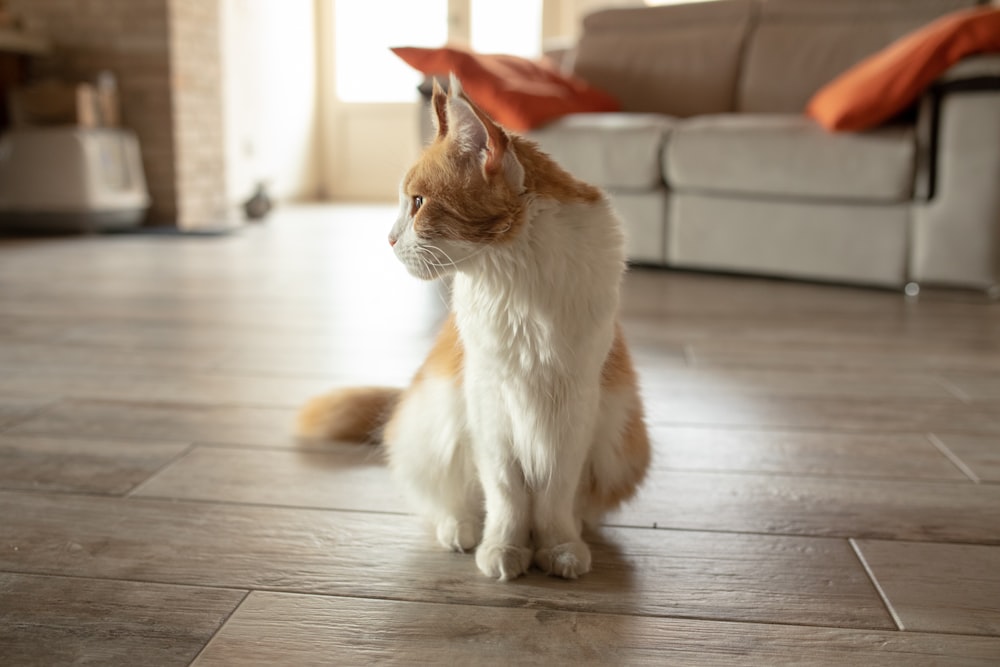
{"x":476,"y":132}
{"x":463,"y":125}
{"x":439,"y":106}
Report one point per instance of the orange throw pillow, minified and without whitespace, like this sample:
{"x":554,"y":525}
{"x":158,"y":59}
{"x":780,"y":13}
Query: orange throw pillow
{"x":518,"y":93}
{"x":886,"y":83}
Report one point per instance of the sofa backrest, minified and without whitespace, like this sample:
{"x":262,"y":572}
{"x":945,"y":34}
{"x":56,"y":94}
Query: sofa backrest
{"x":797,"y":46}
{"x":681,"y":60}
{"x":739,"y":55}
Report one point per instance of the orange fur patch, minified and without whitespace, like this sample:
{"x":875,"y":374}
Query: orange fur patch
{"x":481,"y":211}
{"x":445,"y":360}
{"x":619,"y":375}
{"x":446,"y":357}
{"x":348,"y":415}
{"x":485,"y":208}
{"x":636,"y":453}
{"x":618,"y":370}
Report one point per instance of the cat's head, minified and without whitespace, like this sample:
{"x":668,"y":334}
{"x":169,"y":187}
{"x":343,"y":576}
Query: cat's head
{"x":464,"y":195}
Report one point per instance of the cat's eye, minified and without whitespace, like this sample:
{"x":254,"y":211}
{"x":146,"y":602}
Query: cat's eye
{"x":418,"y":201}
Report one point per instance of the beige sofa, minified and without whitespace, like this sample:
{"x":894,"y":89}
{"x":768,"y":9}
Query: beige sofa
{"x":713,"y":164}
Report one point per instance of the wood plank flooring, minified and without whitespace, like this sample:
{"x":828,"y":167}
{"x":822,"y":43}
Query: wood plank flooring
{"x":311,"y":630}
{"x":825,"y":487}
{"x":947,"y":587}
{"x":111,"y":467}
{"x":64,"y":620}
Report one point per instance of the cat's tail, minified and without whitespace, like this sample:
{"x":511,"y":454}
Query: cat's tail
{"x":352,"y":415}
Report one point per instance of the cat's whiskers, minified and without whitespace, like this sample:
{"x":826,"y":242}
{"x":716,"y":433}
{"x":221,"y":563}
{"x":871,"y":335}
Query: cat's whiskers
{"x":436,"y":275}
{"x":437,"y":252}
{"x":451,"y":262}
{"x":433,"y":267}
{"x":435,"y":260}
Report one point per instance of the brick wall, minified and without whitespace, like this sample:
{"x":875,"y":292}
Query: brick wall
{"x":166,"y":56}
{"x":196,"y":84}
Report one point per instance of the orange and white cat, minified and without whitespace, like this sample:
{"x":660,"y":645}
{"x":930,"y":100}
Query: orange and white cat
{"x":525,"y":420}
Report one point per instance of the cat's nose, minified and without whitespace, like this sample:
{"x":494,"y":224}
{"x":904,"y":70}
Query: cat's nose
{"x":392,"y":240}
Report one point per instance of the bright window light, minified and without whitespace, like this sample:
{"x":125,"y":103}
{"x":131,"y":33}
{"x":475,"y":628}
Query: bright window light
{"x":366,"y":70}
{"x":514,"y":27}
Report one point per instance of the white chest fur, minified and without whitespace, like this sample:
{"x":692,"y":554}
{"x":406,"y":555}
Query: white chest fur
{"x":536,"y":320}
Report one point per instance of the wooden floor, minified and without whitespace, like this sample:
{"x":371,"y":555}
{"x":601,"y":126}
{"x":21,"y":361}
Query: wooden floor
{"x":826,"y":486}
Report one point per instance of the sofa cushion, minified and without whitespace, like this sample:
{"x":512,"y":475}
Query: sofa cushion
{"x":883,"y":85}
{"x":847,"y":242}
{"x":681,"y":60}
{"x":518,"y":93}
{"x":787,"y":155}
{"x":644,"y":215}
{"x":610,"y":150}
{"x":799,"y":46}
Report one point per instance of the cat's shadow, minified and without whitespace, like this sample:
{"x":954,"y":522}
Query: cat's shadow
{"x":340,"y":455}
{"x":611,"y":570}
{"x":610,"y":585}
{"x":529,"y":607}
{"x":612,"y":576}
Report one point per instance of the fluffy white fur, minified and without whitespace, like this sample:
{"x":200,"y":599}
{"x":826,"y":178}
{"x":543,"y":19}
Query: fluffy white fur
{"x":496,"y":457}
{"x":525,"y":421}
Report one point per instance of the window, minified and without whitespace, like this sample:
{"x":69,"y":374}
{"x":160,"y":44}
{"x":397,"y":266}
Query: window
{"x":514,"y":27}
{"x":364,"y":30}
{"x":366,"y":71}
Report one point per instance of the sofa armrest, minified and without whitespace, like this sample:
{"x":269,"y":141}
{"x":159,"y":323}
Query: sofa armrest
{"x":957,"y":212}
{"x":982,"y":68}
{"x":980,"y":73}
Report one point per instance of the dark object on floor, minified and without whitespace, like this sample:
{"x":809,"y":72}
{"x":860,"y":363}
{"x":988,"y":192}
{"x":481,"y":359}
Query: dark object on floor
{"x":259,"y":204}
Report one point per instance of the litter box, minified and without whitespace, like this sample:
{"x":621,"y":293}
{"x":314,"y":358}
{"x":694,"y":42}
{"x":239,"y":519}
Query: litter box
{"x":66,"y":179}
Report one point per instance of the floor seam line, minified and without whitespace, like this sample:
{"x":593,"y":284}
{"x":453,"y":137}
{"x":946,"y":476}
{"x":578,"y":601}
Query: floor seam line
{"x":221,"y":627}
{"x":878,"y":587}
{"x":946,"y":451}
{"x":156,"y":473}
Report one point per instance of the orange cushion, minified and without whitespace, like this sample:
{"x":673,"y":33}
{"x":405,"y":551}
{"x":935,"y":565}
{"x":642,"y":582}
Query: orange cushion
{"x":518,"y":93}
{"x":886,"y":83}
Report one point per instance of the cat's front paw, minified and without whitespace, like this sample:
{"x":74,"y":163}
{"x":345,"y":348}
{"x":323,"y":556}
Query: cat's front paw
{"x":568,"y":560}
{"x":459,"y":535}
{"x":503,"y":561}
